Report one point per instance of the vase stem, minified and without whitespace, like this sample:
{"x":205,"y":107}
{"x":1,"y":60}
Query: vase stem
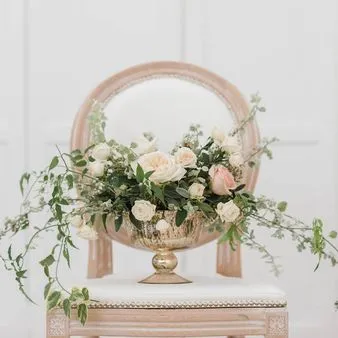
{"x":165,"y":262}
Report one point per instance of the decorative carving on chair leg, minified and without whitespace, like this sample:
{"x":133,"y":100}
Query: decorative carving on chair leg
{"x":277,"y":325}
{"x":57,"y":325}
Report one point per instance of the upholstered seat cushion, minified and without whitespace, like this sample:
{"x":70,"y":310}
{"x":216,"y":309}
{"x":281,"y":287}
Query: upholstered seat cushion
{"x":205,"y":292}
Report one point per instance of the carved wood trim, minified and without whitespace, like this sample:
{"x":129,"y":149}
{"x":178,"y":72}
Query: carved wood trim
{"x":271,"y":323}
{"x":277,"y":324}
{"x":57,"y":325}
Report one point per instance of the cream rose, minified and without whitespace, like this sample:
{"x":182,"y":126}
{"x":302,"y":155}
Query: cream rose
{"x":143,"y":210}
{"x":164,"y":167}
{"x":185,"y":157}
{"x":76,"y":221}
{"x":221,"y":180}
{"x":231,"y":145}
{"x":96,"y":168}
{"x":87,"y":232}
{"x":101,"y":151}
{"x":236,"y":159}
{"x":228,"y":212}
{"x":196,"y":190}
{"x":144,"y":146}
{"x":162,"y":225}
{"x":218,"y":136}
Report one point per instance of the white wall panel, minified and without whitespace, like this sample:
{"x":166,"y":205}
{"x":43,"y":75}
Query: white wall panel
{"x":287,"y":51}
{"x":11,"y":145}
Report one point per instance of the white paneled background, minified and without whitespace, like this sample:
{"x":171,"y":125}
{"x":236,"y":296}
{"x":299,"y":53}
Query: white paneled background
{"x":52,"y":53}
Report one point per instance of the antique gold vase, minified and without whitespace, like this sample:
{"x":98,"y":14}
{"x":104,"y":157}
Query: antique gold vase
{"x":164,"y":240}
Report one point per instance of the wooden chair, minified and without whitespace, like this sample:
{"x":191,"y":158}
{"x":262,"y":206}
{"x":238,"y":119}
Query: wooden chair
{"x":216,"y":306}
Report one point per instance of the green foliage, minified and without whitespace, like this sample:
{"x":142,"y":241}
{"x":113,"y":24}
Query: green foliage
{"x":67,"y":188}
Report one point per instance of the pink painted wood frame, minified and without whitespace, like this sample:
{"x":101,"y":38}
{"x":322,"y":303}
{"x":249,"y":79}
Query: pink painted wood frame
{"x":100,"y":253}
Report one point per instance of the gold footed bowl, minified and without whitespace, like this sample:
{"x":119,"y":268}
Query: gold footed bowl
{"x":162,"y":236}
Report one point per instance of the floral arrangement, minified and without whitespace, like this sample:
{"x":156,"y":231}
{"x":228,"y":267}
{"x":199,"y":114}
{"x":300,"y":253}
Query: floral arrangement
{"x":112,"y":181}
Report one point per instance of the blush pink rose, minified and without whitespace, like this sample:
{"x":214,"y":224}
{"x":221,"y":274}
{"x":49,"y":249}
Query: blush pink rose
{"x":221,"y":180}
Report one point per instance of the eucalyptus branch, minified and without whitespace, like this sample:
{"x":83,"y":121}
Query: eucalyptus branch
{"x":256,"y":106}
{"x":249,"y":240}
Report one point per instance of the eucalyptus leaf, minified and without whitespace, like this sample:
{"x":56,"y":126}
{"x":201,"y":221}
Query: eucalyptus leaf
{"x":183,"y":192}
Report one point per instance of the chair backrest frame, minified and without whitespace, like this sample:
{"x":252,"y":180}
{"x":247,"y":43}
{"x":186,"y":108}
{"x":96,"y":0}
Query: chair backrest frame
{"x":100,"y":251}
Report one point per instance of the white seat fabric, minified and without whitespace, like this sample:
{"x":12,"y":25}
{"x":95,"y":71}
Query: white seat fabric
{"x":117,"y":292}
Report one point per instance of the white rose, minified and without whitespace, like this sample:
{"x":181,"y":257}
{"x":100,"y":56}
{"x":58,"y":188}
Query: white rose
{"x":87,"y":232}
{"x":218,"y":136}
{"x":76,"y":221}
{"x":164,"y":167}
{"x":162,"y":225}
{"x":236,"y":159}
{"x":96,"y":168}
{"x":144,"y":146}
{"x":228,"y":212}
{"x":143,"y":210}
{"x":196,"y":190}
{"x":231,"y":145}
{"x":101,"y":151}
{"x":185,"y":157}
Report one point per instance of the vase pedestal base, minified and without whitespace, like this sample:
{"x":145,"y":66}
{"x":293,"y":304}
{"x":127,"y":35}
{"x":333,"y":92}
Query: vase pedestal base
{"x":165,"y":278}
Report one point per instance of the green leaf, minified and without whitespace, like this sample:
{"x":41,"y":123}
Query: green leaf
{"x":183,"y":192}
{"x":66,"y":255}
{"x":104,"y":221}
{"x":139,"y":174}
{"x":136,"y":222}
{"x":333,"y":234}
{"x":239,"y":188}
{"x":70,"y":181}
{"x":81,"y":163}
{"x":148,"y":174}
{"x":53,"y":300}
{"x":24,"y":178}
{"x":281,"y":206}
{"x":206,"y":208}
{"x":82,"y":313}
{"x":70,"y":242}
{"x":47,"y":289}
{"x":58,"y":212}
{"x":54,"y":163}
{"x":85,"y":293}
{"x":46,"y":271}
{"x":118,"y":222}
{"x":21,"y":273}
{"x":158,"y":192}
{"x":181,"y":216}
{"x":48,"y":261}
{"x":66,"y":307}
{"x":76,"y":294}
{"x":9,"y":252}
